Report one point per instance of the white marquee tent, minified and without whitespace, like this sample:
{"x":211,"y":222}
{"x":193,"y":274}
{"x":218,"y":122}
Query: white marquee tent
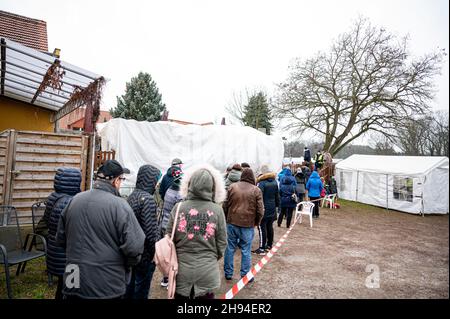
{"x":413,"y":184}
{"x":157,"y":143}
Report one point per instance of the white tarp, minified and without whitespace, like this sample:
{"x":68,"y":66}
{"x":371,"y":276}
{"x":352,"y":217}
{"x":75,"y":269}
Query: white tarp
{"x":413,"y":184}
{"x":157,"y":143}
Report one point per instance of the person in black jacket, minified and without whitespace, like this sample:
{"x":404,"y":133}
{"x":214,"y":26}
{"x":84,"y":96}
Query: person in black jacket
{"x":307,"y":155}
{"x":300,"y":178}
{"x":66,"y":184}
{"x":102,"y":238}
{"x":167,"y":179}
{"x":268,"y":185}
{"x":144,"y":206}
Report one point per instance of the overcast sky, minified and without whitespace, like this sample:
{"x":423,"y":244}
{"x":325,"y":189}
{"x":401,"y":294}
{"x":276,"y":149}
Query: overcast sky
{"x":201,"y":51}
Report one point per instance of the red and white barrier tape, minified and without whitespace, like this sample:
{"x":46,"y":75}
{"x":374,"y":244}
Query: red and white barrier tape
{"x":255,"y":269}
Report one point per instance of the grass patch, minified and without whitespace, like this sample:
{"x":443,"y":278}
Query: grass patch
{"x":32,"y":284}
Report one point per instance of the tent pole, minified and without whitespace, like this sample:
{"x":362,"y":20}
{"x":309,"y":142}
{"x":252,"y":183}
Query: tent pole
{"x":357,"y":184}
{"x":92,"y":160}
{"x":387,"y":192}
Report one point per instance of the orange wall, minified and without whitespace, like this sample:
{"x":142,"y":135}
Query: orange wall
{"x":23,"y":116}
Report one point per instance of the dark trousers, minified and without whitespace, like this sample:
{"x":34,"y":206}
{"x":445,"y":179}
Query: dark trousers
{"x":141,"y":278}
{"x":209,"y":295}
{"x":316,"y":205}
{"x":288,"y":212}
{"x":260,"y":235}
{"x":300,"y":197}
{"x":59,"y":288}
{"x":266,"y":233}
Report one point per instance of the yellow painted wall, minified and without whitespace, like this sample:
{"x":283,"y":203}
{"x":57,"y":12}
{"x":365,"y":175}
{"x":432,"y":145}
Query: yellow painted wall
{"x":23,"y":116}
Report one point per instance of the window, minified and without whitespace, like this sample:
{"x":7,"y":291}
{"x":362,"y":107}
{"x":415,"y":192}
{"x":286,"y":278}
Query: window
{"x":345,"y":179}
{"x":403,"y":188}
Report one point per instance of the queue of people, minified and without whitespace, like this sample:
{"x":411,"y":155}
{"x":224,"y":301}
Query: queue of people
{"x":111,"y":241}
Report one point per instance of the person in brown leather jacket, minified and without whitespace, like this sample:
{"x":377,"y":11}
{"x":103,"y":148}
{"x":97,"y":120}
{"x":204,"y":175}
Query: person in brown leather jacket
{"x":244,"y":209}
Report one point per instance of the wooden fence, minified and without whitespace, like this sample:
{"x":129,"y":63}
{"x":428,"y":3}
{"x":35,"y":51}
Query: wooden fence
{"x":103,"y":156}
{"x":29,"y":160}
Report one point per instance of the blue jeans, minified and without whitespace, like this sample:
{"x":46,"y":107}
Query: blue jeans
{"x":241,"y":237}
{"x":141,"y":278}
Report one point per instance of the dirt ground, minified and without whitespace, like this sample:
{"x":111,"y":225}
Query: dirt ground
{"x":330,"y":259}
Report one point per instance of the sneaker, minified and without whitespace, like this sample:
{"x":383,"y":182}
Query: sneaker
{"x":165,"y":282}
{"x":228,"y":278}
{"x":259,"y":251}
{"x":268,"y":248}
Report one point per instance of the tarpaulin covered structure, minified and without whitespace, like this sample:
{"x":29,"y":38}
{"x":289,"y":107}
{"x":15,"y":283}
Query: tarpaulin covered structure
{"x":413,"y":184}
{"x":157,"y":143}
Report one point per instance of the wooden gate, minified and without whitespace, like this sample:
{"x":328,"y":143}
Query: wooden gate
{"x":28,"y":162}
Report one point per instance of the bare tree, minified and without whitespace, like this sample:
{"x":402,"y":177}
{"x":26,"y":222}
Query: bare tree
{"x":426,"y":135}
{"x":236,"y":107}
{"x":381,"y":144}
{"x":366,"y":83}
{"x":437,"y":139}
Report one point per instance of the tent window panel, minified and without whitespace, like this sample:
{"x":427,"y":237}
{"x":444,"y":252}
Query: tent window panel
{"x":345,"y":180}
{"x":370,"y":184}
{"x":403,"y":188}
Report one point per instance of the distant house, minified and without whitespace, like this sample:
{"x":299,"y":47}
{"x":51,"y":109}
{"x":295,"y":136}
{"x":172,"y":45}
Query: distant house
{"x":74,"y":121}
{"x":27,"y":31}
{"x":27,"y":100}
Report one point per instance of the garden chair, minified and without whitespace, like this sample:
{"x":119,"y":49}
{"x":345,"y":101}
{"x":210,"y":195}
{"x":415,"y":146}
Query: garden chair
{"x":37,"y":212}
{"x":306,"y":209}
{"x":329,"y":200}
{"x":13,"y":250}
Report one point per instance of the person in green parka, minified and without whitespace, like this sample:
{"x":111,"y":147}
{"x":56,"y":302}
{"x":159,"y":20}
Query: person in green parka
{"x":200,"y":237}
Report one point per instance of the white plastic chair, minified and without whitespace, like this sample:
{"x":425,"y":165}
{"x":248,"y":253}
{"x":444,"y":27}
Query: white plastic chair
{"x":307,"y":209}
{"x":329,"y":200}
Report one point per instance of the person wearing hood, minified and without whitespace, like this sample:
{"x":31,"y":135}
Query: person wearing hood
{"x":102,"y":238}
{"x":167,"y":179}
{"x":306,"y":171}
{"x":286,"y":172}
{"x":144,"y":206}
{"x":269,"y":188}
{"x":234,"y":175}
{"x":172,"y":197}
{"x":300,"y":179}
{"x":288,"y":198}
{"x":200,"y":233}
{"x":314,"y":187}
{"x":66,"y":184}
{"x":244,"y":209}
{"x":282,"y":173}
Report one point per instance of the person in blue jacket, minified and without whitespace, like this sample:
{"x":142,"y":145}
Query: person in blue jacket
{"x":314,"y":187}
{"x":288,"y":197}
{"x":66,"y":184}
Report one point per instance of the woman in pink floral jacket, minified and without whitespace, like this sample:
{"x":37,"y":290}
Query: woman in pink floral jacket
{"x":200,"y":235}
